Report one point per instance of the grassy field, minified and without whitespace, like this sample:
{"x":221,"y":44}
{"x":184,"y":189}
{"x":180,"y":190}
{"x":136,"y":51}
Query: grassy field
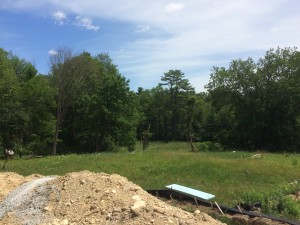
{"x":228,"y":175}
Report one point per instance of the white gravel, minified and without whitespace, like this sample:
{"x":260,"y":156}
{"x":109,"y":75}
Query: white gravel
{"x":27,"y":201}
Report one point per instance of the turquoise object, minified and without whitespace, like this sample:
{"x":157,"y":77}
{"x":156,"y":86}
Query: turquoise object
{"x":190,"y":191}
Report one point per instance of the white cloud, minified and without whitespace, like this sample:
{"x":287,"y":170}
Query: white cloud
{"x":52,"y":52}
{"x":142,"y":28}
{"x":174,"y":7}
{"x":59,"y":17}
{"x":85,"y":22}
{"x":207,"y":32}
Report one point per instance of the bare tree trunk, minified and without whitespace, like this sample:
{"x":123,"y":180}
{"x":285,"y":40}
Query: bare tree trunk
{"x":146,"y":135}
{"x":191,"y":142}
{"x":55,"y":139}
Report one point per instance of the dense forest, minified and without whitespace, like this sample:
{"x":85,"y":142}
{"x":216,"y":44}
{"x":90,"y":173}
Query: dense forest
{"x":85,"y":104}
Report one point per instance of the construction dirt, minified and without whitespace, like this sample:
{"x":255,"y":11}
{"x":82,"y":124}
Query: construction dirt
{"x":86,"y":198}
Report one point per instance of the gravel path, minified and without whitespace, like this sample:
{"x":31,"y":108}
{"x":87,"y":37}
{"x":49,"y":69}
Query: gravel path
{"x":27,"y":201}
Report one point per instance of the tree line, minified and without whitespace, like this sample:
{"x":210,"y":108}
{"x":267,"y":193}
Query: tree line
{"x":85,"y":104}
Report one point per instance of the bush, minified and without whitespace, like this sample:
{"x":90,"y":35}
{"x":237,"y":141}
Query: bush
{"x":277,"y":203}
{"x":291,"y":208}
{"x":209,"y":146}
{"x":20,"y":150}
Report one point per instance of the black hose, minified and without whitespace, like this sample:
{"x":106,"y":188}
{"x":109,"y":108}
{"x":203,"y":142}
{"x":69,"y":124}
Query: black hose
{"x":182,"y":197}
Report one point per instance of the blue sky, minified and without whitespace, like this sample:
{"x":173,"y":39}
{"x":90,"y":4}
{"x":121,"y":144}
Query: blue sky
{"x":146,"y":38}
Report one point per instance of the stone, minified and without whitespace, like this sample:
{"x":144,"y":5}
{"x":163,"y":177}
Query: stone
{"x":159,"y":210}
{"x":64,"y":222}
{"x":197,"y":212}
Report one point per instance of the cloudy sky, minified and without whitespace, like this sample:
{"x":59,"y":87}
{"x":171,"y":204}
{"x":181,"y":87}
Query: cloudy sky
{"x":146,"y":38}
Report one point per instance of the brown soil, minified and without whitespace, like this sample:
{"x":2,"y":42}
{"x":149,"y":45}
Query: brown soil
{"x":236,"y":219}
{"x":9,"y":181}
{"x":99,"y":198}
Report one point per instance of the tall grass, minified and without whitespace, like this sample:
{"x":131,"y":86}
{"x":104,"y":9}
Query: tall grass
{"x":228,"y":175}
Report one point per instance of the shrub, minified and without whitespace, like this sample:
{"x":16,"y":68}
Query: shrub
{"x":209,"y":146}
{"x":277,"y":203}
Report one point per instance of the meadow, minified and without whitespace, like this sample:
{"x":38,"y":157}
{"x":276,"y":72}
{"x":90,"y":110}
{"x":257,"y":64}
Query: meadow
{"x":233,"y":176}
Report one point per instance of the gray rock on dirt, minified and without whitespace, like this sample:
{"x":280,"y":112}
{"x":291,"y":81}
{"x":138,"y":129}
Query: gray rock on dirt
{"x":27,"y":201}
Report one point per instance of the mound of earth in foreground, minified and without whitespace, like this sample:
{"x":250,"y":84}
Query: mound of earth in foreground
{"x":85,"y":198}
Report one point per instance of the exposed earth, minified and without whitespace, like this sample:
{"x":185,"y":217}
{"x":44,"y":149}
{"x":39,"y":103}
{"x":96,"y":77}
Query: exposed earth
{"x":86,"y":198}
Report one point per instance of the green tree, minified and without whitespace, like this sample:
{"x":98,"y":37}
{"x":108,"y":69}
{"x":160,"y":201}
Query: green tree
{"x":178,"y":89}
{"x":68,"y":72}
{"x":26,"y":105}
{"x":38,"y":103}
{"x":105,"y":112}
{"x":8,"y":99}
{"x":22,"y":68}
{"x":260,"y":100}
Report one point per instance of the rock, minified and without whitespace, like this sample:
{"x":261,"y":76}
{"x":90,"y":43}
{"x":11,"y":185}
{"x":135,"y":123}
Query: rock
{"x":136,"y":197}
{"x":197,"y":212}
{"x":82,"y":181}
{"x":68,"y":204}
{"x":158,"y":209}
{"x":139,"y":204}
{"x":64,"y":222}
{"x":135,"y":211}
{"x":240,"y":219}
{"x":117,"y":210}
{"x":93,"y":207}
{"x":108,"y":216}
{"x":47,"y":209}
{"x":170,"y":220}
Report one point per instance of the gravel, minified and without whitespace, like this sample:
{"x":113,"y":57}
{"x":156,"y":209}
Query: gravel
{"x":27,"y":201}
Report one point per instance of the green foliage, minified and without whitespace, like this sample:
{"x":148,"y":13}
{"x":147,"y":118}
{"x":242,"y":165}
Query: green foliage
{"x":167,"y":108}
{"x":22,"y":69}
{"x":8,"y":98}
{"x":85,"y":105}
{"x":276,"y":202}
{"x":40,"y":128}
{"x":104,"y":114}
{"x":209,"y":146}
{"x":20,"y":150}
{"x":257,"y":104}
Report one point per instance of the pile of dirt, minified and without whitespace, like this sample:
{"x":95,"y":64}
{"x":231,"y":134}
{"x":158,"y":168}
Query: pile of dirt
{"x":9,"y":181}
{"x":96,"y":198}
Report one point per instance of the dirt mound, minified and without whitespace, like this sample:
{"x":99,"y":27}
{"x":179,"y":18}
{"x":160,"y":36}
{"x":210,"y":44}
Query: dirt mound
{"x":99,"y":198}
{"x":9,"y":181}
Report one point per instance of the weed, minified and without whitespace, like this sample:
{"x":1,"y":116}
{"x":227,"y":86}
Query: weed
{"x":275,"y":202}
{"x":294,"y":162}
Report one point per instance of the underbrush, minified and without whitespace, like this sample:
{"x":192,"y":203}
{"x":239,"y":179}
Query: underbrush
{"x":209,"y":146}
{"x":280,"y":202}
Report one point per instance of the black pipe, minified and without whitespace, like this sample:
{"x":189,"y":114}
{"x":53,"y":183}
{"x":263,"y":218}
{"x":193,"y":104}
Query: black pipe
{"x":182,"y":197}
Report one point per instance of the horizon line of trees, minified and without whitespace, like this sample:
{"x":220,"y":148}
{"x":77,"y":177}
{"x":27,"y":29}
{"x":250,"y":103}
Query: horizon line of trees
{"x":84,"y":104}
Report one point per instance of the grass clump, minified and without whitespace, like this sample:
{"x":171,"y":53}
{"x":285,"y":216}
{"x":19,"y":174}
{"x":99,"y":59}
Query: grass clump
{"x":279,"y":202}
{"x":209,"y":146}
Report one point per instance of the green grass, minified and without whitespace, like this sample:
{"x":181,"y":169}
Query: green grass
{"x":228,"y":175}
